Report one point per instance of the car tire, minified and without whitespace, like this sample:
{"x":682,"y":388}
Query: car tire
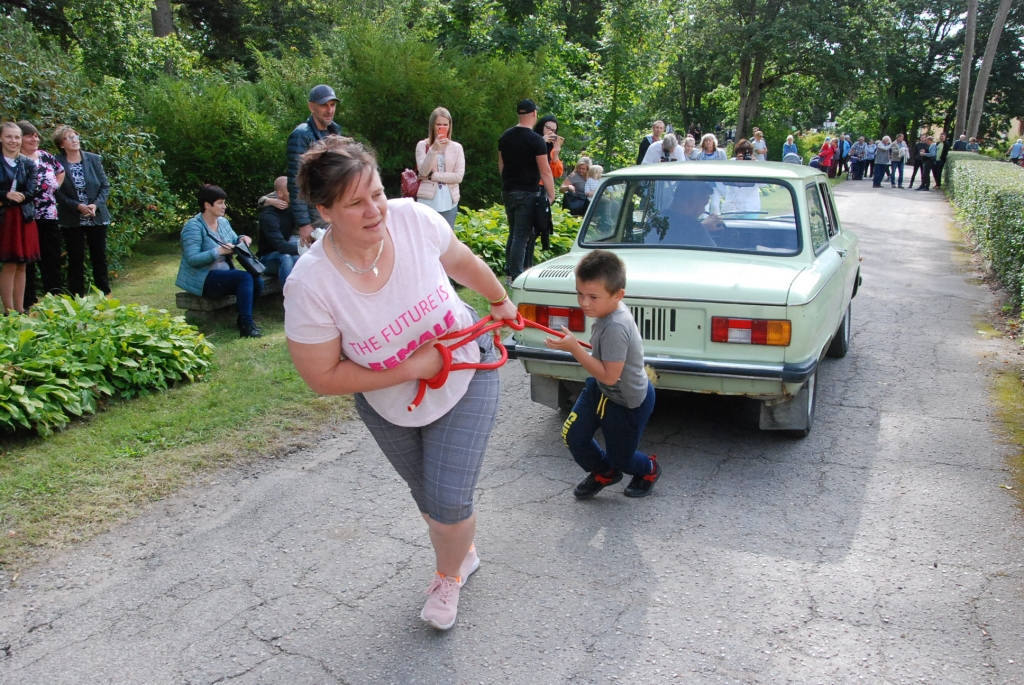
{"x":809,"y":401}
{"x":841,"y":342}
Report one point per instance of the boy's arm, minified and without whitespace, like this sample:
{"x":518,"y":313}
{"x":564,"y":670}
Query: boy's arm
{"x":605,"y":372}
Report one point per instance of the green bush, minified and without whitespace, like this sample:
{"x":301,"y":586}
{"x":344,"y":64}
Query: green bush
{"x":213,"y":131}
{"x":486,"y":230}
{"x":48,"y":87}
{"x":72,"y":352}
{"x":989,"y":198}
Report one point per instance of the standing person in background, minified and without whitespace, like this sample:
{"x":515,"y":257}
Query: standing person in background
{"x":279,"y":243}
{"x":826,"y":156}
{"x":689,"y":148}
{"x":657,"y":130}
{"x":897,"y":157}
{"x":709,"y":149}
{"x":789,"y":147}
{"x":882,"y":161}
{"x":82,"y":211}
{"x":973,"y":145}
{"x":869,"y":159}
{"x":1015,"y":152}
{"x":917,"y":157}
{"x":667,"y":149}
{"x":941,"y":152}
{"x":927,"y":161}
{"x":441,"y":163}
{"x":843,"y":153}
{"x":523,"y":165}
{"x":49,"y":176}
{"x":760,"y":147}
{"x":858,"y":151}
{"x":19,"y":240}
{"x":322,"y":105}
{"x":547,"y":128}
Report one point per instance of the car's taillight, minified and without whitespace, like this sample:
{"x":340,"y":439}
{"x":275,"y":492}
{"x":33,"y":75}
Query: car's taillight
{"x":555,"y":317}
{"x":751,"y":331}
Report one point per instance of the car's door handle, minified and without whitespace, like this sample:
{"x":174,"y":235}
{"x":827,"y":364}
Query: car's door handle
{"x":842,"y":252}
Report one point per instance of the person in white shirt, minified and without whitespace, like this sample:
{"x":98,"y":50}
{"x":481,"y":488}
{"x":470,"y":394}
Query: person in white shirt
{"x":667,"y":149}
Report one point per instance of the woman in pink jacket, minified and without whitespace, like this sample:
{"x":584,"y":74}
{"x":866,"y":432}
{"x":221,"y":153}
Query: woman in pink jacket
{"x":441,"y":164}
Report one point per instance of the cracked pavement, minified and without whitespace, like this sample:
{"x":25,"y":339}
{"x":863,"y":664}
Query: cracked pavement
{"x":881,"y":549}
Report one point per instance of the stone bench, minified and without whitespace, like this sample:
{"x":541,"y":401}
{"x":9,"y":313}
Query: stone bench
{"x":203,"y":309}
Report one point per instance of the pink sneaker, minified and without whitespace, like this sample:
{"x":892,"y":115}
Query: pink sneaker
{"x":442,"y":602}
{"x":469,"y":564}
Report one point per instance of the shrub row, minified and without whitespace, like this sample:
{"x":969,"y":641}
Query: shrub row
{"x":988,"y":196}
{"x":72,"y":353}
{"x":486,"y":230}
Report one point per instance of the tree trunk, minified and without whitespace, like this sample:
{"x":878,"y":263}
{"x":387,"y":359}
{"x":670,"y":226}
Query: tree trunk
{"x":682,"y":91}
{"x":965,"y":70}
{"x":741,"y":113}
{"x":163,"y":19}
{"x":980,"y":88}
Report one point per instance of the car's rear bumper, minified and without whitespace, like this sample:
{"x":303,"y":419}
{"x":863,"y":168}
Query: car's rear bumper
{"x":783,"y":373}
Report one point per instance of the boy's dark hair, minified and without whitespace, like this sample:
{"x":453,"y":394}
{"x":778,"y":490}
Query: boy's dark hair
{"x":603,"y":266}
{"x":208,"y":195}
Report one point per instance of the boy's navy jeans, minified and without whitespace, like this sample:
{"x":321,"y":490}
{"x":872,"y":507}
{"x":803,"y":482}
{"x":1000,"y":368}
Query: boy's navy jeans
{"x":621,"y":426}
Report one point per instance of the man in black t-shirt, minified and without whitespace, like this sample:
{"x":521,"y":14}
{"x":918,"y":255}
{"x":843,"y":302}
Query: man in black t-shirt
{"x":523,"y":164}
{"x":917,"y":157}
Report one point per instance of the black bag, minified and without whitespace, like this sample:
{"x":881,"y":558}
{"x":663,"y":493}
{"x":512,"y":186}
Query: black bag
{"x":247,"y":259}
{"x":543,"y":226}
{"x":575,"y":203}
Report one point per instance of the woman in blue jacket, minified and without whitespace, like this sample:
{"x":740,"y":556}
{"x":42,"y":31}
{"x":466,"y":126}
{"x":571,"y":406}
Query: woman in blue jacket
{"x":206,"y":269}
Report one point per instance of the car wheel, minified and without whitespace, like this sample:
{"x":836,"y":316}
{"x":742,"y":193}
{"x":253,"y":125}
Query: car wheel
{"x":841,"y":342}
{"x":808,"y":398}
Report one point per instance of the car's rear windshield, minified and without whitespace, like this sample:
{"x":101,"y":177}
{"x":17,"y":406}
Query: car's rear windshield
{"x":727,"y":215}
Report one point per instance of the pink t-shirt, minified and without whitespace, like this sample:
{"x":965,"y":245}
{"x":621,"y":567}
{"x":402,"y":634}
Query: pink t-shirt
{"x":380,"y":330}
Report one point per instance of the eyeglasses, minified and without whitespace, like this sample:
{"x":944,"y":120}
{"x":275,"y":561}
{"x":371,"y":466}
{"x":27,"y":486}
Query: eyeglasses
{"x":72,"y":137}
{"x":549,"y":127}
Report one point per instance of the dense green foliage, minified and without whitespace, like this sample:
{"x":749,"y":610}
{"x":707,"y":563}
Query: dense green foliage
{"x":485,"y":232}
{"x":989,"y":199}
{"x":72,"y":353}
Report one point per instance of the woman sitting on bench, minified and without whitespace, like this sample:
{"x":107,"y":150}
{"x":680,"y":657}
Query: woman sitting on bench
{"x":206,"y":269}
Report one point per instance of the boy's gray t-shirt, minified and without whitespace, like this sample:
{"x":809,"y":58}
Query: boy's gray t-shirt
{"x":615,"y":338}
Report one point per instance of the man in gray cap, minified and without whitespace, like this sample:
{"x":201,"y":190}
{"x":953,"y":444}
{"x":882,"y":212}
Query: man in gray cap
{"x":322,"y":103}
{"x":523,"y":165}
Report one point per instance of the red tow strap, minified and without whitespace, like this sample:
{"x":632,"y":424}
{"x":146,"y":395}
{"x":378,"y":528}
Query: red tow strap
{"x":485,"y":325}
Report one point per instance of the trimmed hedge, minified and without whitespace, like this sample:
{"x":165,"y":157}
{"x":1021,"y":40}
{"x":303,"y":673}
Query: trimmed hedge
{"x":988,"y":196}
{"x":71,"y":353}
{"x":485,"y":231}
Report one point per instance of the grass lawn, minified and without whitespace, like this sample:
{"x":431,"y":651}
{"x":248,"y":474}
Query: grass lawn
{"x":104,"y":469}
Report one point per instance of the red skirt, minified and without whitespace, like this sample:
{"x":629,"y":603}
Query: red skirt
{"x":19,"y":239}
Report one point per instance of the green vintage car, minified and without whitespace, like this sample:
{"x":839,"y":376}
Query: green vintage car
{"x":740,"y":278}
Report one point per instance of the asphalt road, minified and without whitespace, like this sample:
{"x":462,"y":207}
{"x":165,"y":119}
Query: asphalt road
{"x":881,"y":549}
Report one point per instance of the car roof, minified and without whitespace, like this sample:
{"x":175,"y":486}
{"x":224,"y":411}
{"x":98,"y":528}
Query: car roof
{"x":759,"y":170}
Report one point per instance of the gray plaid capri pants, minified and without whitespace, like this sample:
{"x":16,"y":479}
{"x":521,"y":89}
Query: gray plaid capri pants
{"x":441,"y":461}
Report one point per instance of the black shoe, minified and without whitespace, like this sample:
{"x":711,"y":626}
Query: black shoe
{"x":595,"y":483}
{"x":921,"y":188}
{"x":249,"y":332}
{"x":640,"y":486}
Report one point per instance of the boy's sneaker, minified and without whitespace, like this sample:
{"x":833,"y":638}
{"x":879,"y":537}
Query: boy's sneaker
{"x":442,"y":602}
{"x":640,"y":486}
{"x":469,"y":564}
{"x":595,"y":483}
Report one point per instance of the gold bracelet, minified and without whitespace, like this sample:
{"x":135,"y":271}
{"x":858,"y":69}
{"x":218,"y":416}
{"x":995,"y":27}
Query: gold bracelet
{"x":500,"y":302}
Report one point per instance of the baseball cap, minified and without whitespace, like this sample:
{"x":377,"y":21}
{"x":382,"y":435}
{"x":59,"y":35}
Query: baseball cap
{"x":526,"y":106}
{"x":322,"y":94}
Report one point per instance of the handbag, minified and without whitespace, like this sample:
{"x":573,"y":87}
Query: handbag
{"x":410,"y":183}
{"x":247,"y":259}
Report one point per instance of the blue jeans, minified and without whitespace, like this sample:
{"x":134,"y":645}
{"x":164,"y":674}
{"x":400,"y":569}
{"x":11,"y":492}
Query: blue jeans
{"x":896,"y":166}
{"x":280,"y":264}
{"x":621,"y":426}
{"x":519,"y":212}
{"x":244,"y":286}
{"x":880,"y":171}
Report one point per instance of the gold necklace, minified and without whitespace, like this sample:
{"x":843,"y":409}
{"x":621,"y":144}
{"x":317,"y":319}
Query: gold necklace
{"x":360,"y":272}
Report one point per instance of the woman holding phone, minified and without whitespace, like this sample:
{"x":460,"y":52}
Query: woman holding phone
{"x":547,"y":128}
{"x":441,"y":164}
